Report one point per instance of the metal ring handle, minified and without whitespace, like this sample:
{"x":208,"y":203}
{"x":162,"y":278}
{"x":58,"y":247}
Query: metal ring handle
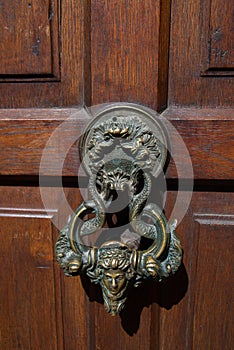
{"x":122,"y":149}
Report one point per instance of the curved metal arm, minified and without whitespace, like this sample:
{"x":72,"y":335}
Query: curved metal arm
{"x":122,"y":149}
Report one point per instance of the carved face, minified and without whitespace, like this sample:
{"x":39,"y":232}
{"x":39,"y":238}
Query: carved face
{"x":115,"y":281}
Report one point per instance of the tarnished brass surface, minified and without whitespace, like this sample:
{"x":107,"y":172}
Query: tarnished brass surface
{"x":123,"y":148}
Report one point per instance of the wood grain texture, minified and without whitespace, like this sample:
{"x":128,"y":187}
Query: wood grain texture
{"x":115,"y":51}
{"x":69,"y":90}
{"x":151,"y":307}
{"x":28,"y":297}
{"x":129,"y":51}
{"x":218,"y":38}
{"x":212,"y":235}
{"x":130,"y":330}
{"x":76,"y":325}
{"x":40,"y":307}
{"x":29,"y":40}
{"x":207,"y":134}
{"x":186,"y":85}
{"x":199,"y":295}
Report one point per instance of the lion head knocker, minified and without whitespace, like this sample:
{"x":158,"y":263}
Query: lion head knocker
{"x":122,"y":150}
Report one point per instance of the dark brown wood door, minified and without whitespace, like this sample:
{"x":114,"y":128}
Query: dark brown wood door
{"x":58,"y":56}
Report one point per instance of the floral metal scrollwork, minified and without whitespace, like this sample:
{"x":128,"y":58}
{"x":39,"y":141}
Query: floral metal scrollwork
{"x":122,"y":150}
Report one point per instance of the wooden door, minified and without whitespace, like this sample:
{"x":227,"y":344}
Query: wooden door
{"x":57,"y":56}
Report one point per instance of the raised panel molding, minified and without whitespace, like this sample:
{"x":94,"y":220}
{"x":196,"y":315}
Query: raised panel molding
{"x":29,"y":281}
{"x":129,"y":51}
{"x":189,"y":69}
{"x":211,"y":282}
{"x":207,"y":133}
{"x":44,"y":58}
{"x":218,"y":38}
{"x":29,"y":41}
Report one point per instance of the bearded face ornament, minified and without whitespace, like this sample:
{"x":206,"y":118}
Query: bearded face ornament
{"x":122,"y":150}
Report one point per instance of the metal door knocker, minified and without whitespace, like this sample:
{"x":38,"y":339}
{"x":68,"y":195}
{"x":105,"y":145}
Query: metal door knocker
{"x":122,"y":149}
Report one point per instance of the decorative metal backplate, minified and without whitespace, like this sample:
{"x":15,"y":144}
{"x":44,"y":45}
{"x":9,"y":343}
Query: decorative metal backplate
{"x":122,"y":149}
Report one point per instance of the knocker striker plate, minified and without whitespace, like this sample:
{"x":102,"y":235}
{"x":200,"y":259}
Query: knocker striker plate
{"x":122,"y":149}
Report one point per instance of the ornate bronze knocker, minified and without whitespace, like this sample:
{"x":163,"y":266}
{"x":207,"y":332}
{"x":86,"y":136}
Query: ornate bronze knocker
{"x":122,"y":149}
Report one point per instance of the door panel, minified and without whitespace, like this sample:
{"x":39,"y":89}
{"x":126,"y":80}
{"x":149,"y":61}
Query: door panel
{"x":33,"y":282}
{"x":218,"y":42}
{"x":30,"y":300}
{"x":213,"y":234}
{"x":123,"y":37}
{"x":175,"y":57}
{"x":33,"y":53}
{"x":206,"y":132}
{"x":40,"y":51}
{"x":193,"y":23}
{"x":202,"y":318}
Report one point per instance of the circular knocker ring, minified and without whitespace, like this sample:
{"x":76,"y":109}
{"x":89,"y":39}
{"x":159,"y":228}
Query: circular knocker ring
{"x":122,"y":149}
